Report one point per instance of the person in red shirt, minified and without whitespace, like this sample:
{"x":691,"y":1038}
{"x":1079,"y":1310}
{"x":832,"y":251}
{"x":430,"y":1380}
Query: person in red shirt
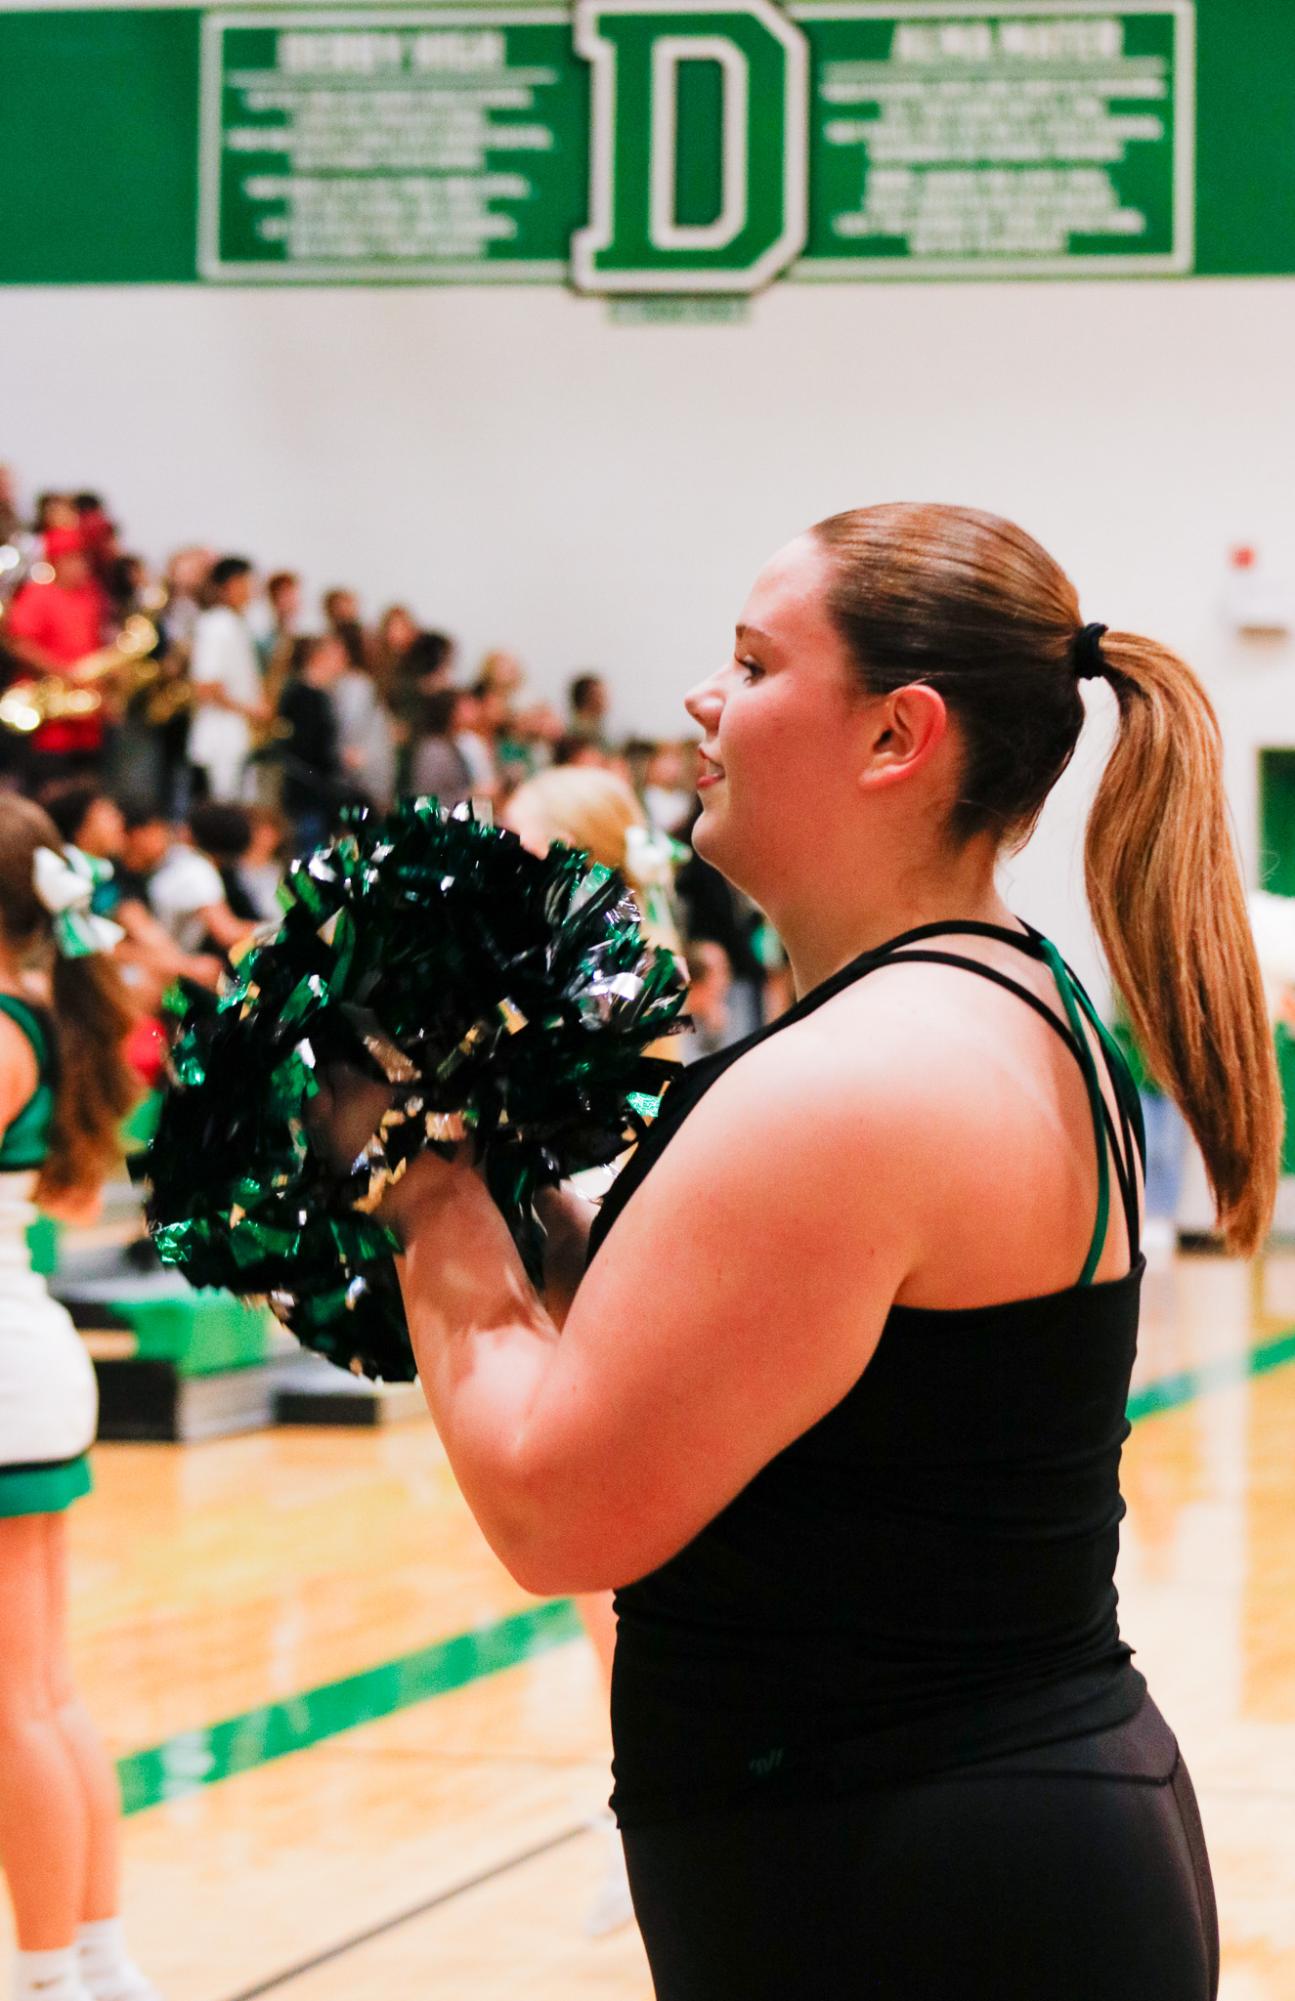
{"x":51,"y":626}
{"x":98,"y":533}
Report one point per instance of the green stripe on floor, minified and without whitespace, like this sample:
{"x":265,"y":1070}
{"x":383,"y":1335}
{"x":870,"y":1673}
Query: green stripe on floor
{"x":196,"y":1758}
{"x":1172,"y":1392}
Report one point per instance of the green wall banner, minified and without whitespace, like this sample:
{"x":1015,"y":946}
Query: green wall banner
{"x":441,"y":144}
{"x":647,"y":147}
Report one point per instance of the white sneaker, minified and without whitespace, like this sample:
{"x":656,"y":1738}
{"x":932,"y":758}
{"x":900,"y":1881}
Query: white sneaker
{"x":129,"y":1984}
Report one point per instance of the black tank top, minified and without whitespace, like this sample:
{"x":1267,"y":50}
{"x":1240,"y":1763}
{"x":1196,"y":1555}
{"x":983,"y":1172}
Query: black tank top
{"x":925,"y":1578}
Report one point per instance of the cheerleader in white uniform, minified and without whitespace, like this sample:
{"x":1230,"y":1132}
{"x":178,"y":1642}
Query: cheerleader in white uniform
{"x":64,"y":1086}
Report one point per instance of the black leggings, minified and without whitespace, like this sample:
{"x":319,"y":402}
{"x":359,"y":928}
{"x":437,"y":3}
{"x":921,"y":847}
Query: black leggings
{"x":1067,"y":1874}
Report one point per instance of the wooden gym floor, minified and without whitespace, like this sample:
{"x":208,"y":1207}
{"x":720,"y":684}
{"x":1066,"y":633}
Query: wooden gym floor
{"x":358,"y":1761}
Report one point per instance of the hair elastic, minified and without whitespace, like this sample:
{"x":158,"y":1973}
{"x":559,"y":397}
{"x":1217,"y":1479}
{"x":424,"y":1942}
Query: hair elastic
{"x":1086,"y":653}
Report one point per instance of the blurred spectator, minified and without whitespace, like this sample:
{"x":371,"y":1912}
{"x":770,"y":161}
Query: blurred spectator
{"x":50,"y":627}
{"x":710,"y":978}
{"x":638,"y":753}
{"x":315,"y":782}
{"x":147,"y":838}
{"x":88,"y":817}
{"x":150,"y":959}
{"x":437,"y":765}
{"x":263,"y":866}
{"x":713,"y":909}
{"x":129,"y":587}
{"x":186,"y":586}
{"x":539,"y":731}
{"x":502,"y":673}
{"x":589,"y":704}
{"x":54,"y":510}
{"x":224,"y":835}
{"x":396,"y":632}
{"x":342,"y":619}
{"x":136,"y":762}
{"x":183,"y":589}
{"x":10,"y":514}
{"x":366,"y":735}
{"x":229,"y":700}
{"x":185,"y":582}
{"x":187,"y":892}
{"x":283,"y":603}
{"x":98,"y":532}
{"x":518,"y":757}
{"x":426,"y":667}
{"x":494,"y":709}
{"x":571,"y":749}
{"x":276,"y":648}
{"x":429,"y":662}
{"x":666,"y":799}
{"x":486,"y":722}
{"x":498,"y":685}
{"x":523,"y":738}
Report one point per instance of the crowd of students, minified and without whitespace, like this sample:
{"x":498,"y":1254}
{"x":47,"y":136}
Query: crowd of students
{"x":196,"y":725}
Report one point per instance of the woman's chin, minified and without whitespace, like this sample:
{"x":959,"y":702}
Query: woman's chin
{"x":707,"y":833}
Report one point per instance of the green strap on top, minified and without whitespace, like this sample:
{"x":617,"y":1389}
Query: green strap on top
{"x":1076,"y":1014}
{"x":1126,"y":1086}
{"x":25,"y":1142}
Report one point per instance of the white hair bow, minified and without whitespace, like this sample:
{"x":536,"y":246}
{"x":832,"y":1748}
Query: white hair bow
{"x":65,"y":883}
{"x":650,"y":858}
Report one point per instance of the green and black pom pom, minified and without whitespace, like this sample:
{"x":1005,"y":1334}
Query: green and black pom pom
{"x":506,"y":999}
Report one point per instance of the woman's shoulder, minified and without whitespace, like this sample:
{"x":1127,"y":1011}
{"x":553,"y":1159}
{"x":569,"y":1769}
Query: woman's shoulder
{"x":836,"y":1103}
{"x":894,"y":1084}
{"x":939,"y":1019}
{"x":889,"y":1045}
{"x":950,"y":1109}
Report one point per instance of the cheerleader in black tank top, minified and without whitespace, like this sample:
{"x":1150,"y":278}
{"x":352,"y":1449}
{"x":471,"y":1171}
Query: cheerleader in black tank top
{"x":833,"y":1390}
{"x":827,"y":1728}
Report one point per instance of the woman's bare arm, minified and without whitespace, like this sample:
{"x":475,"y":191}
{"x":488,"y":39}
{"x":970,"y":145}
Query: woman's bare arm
{"x":567,"y":1218}
{"x":737,"y":1298}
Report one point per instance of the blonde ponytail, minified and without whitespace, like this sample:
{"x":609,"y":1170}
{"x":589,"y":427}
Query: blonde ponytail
{"x":1166,"y":895}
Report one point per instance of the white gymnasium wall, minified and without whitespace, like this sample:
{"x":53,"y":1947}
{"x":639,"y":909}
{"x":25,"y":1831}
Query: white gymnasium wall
{"x":529,"y":474}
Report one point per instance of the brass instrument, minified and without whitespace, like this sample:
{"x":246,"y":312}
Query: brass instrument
{"x":28,"y":704}
{"x":171,"y":697}
{"x":171,"y":693}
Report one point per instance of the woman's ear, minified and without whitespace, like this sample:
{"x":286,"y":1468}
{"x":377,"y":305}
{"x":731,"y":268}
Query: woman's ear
{"x":907,"y":729}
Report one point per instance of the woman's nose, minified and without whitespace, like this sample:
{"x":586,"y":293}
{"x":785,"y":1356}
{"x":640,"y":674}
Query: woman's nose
{"x":703,"y":702}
